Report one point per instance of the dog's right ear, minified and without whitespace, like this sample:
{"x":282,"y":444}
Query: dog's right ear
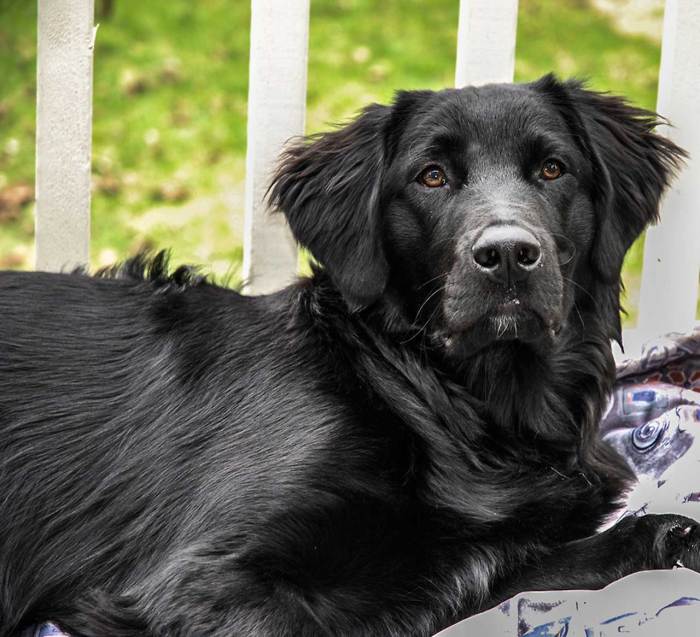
{"x":633,"y":165}
{"x":329,"y":188}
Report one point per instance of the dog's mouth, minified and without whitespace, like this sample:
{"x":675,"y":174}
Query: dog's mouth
{"x":512,"y":321}
{"x":509,"y":321}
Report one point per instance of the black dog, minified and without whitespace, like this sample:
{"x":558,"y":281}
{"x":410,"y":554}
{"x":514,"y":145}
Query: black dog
{"x":401,"y":440}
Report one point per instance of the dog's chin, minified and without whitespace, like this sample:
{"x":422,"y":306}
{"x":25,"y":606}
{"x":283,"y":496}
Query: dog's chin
{"x":502,"y":325}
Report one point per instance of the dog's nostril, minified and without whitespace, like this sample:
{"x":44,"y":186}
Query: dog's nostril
{"x":487,"y":257}
{"x":507,"y":253}
{"x":528,"y":255}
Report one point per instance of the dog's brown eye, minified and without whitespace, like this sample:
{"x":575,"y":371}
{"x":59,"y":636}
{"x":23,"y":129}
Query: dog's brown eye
{"x":551,"y":169}
{"x":433,"y":177}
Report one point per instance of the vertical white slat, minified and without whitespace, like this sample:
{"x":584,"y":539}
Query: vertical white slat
{"x":279,"y":37}
{"x":672,"y":251}
{"x":486,"y":41}
{"x":65,"y":44}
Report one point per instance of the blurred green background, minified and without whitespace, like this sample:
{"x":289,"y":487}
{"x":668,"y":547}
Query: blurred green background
{"x":170,"y":92}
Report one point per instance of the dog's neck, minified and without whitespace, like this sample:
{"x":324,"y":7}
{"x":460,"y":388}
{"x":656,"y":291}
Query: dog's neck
{"x":545,"y":393}
{"x":530,"y":389}
{"x":523,"y":390}
{"x":477,"y":425}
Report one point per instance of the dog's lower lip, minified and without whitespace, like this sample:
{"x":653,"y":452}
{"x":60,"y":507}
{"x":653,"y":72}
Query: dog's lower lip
{"x":510,"y":310}
{"x":509,"y":306}
{"x":515,"y":320}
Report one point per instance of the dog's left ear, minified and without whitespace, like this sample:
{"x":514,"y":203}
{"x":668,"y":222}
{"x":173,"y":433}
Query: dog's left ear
{"x":632,"y":166}
{"x":329,"y":191}
{"x":329,"y":187}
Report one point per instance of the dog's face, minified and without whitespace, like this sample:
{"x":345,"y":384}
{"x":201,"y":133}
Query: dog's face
{"x":482,"y":213}
{"x":485,"y":212}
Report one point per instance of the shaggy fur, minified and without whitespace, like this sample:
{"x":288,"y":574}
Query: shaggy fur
{"x":383,"y":448}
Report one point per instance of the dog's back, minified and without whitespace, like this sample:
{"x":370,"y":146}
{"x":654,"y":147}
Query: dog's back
{"x":144,"y":421}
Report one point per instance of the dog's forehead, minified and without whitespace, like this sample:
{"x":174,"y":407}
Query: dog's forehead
{"x":497,"y":113}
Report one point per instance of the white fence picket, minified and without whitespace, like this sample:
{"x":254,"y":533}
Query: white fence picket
{"x":63,"y":132}
{"x":486,"y":41}
{"x":672,"y":252}
{"x":276,"y":109}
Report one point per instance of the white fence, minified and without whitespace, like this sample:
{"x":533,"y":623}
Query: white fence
{"x":276,"y":107}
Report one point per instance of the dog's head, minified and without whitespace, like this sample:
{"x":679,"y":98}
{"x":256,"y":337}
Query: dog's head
{"x":485,"y":214}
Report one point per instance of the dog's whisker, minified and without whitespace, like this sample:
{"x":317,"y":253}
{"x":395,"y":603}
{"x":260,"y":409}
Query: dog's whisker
{"x":435,"y":278}
{"x":579,"y":286}
{"x":429,"y":297}
{"x":430,"y":318}
{"x":580,"y":318}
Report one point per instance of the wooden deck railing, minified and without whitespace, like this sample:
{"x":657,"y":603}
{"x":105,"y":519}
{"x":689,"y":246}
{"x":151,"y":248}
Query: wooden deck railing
{"x":276,"y":107}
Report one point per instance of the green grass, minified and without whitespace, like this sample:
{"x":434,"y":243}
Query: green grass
{"x":170,"y":91}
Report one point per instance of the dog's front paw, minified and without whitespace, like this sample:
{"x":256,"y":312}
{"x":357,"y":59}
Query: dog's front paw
{"x":671,"y":540}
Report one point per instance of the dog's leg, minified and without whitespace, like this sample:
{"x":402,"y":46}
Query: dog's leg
{"x":634,"y":544}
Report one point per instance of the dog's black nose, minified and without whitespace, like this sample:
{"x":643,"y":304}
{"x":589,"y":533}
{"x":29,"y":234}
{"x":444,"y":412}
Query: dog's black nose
{"x":507,"y":253}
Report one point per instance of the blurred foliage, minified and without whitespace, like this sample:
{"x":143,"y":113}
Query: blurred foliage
{"x":170,"y":91}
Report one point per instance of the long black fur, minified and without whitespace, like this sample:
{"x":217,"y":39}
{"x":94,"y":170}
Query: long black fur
{"x":338,"y":458}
